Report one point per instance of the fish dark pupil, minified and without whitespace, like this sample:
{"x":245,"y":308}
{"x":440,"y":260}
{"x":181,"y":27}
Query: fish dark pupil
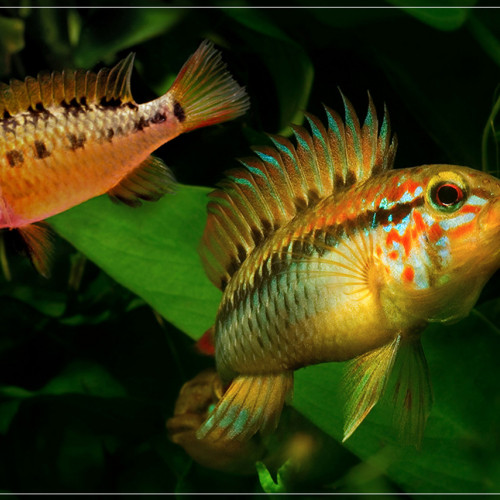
{"x":448,"y":195}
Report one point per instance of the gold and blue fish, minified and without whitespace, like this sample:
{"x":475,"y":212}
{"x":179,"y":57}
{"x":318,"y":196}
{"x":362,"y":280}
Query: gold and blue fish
{"x":66,"y":137}
{"x":325,"y":253}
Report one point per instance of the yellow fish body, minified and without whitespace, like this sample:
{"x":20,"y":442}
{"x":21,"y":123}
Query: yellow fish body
{"x":324,"y":253}
{"x":68,"y":137}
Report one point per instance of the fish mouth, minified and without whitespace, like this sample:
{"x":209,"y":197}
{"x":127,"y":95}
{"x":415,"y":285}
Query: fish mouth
{"x":489,"y":229}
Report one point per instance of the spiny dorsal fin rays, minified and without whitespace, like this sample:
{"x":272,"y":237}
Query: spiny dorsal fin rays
{"x":323,"y":156}
{"x":353,"y":140}
{"x":295,"y":174}
{"x":277,"y":184}
{"x":369,"y":137}
{"x":53,"y":89}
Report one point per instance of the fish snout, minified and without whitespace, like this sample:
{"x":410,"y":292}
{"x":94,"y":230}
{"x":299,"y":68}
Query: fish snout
{"x":489,"y":219}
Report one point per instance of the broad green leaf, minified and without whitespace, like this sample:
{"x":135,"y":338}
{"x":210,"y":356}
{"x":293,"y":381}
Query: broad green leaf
{"x":152,"y":250}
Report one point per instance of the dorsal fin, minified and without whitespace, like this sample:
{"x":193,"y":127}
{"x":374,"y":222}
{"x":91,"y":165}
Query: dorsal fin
{"x":69,"y":87}
{"x":279,"y":182}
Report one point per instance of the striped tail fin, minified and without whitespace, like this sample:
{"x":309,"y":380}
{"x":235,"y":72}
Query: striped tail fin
{"x":252,"y":403}
{"x":205,"y":93}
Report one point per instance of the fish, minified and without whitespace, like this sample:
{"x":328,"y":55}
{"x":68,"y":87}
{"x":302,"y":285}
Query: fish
{"x":69,"y":136}
{"x":326,"y":253}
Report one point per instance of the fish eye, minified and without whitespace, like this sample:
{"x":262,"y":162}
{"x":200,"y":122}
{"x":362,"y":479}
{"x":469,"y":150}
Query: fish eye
{"x":447,"y":195}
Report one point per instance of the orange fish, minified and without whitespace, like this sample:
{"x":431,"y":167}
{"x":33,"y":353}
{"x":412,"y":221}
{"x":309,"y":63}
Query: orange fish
{"x":324,"y":253}
{"x":68,"y":137}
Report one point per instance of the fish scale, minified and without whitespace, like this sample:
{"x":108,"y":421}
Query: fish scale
{"x":325,"y":253}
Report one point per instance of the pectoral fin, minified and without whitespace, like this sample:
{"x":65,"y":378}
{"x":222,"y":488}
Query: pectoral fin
{"x":149,"y":181}
{"x":252,"y":403}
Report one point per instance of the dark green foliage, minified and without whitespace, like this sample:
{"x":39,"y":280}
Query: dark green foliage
{"x":88,"y":373}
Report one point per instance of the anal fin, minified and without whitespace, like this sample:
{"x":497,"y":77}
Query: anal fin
{"x":37,"y":240}
{"x":252,"y":403}
{"x":149,"y":181}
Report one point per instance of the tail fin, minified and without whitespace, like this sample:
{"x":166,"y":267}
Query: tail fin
{"x":252,"y":403}
{"x":204,"y":91}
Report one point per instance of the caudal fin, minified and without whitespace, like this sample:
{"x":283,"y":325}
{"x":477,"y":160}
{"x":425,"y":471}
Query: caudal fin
{"x":252,"y":403}
{"x":205,"y":93}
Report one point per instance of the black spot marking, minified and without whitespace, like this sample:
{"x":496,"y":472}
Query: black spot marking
{"x":6,"y":115}
{"x":179,"y":112}
{"x":242,"y":253}
{"x":41,"y":150}
{"x":300,"y":204}
{"x":158,"y":118}
{"x":313,"y":197}
{"x":350,"y":178}
{"x":9,"y":125}
{"x":266,"y":227}
{"x":76,"y":142}
{"x":109,"y":134}
{"x":111,"y":103}
{"x":15,"y":158}
{"x":141,"y":124}
{"x":232,"y":266}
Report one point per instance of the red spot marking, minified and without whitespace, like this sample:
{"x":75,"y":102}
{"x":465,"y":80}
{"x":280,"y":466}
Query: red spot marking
{"x":393,"y":255}
{"x":408,"y":273}
{"x":378,"y":250}
{"x":205,"y":344}
{"x":462,"y":230}
{"x":470,"y":209}
{"x":419,"y":221}
{"x":404,"y":240}
{"x":435,"y":232}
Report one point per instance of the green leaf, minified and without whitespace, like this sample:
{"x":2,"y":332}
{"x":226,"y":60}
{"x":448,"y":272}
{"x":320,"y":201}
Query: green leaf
{"x":150,"y":250}
{"x":267,"y":482}
{"x":130,"y":28}
{"x":287,"y":62}
{"x":443,"y":19}
{"x":11,"y":41}
{"x":84,"y":378}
